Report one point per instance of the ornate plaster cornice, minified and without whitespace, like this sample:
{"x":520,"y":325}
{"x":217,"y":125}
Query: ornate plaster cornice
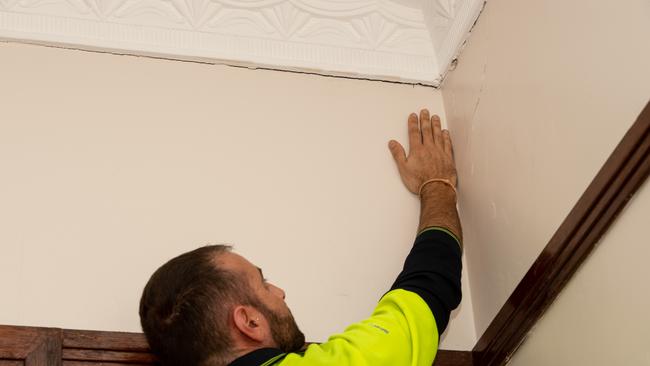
{"x":377,"y":39}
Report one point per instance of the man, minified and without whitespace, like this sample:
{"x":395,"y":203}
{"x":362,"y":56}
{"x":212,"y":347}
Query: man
{"x":212,"y":307}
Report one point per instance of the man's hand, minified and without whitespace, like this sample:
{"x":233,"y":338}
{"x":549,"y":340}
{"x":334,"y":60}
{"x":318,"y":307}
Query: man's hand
{"x":430,"y":157}
{"x":430,"y":152}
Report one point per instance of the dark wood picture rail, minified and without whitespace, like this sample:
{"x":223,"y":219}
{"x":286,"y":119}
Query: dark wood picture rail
{"x":616,"y":182}
{"x":32,"y":346}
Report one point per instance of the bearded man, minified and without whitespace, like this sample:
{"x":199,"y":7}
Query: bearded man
{"x":212,"y":307}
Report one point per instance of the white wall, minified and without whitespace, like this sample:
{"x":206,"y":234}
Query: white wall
{"x":601,"y":317}
{"x":542,"y":94}
{"x":113,"y":164}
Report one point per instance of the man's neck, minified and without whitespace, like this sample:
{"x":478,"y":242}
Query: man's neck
{"x":255,"y":357}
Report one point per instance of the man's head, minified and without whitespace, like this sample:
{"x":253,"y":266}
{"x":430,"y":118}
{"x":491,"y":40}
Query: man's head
{"x":209,"y":306}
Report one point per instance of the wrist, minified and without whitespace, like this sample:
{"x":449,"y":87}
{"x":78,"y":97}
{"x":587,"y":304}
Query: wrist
{"x":438,"y":208}
{"x":438,"y":188}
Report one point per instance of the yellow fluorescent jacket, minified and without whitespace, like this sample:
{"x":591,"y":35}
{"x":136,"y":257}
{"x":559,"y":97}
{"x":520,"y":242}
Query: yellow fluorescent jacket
{"x":400,"y":332}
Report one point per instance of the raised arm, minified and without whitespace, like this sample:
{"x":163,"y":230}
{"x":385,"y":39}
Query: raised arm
{"x":433,"y":267}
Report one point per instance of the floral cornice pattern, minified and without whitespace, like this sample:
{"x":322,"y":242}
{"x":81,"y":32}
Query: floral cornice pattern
{"x":375,"y":39}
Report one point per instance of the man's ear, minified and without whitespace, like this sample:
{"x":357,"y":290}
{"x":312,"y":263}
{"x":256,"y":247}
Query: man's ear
{"x":249,"y":323}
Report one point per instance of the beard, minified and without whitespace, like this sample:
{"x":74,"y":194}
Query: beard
{"x":284,"y":330}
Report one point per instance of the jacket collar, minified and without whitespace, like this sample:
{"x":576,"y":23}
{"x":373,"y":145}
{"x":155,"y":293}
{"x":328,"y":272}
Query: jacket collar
{"x":257,"y":357}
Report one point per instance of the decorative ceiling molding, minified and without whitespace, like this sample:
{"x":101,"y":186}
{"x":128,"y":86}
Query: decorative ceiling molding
{"x":450,"y":22}
{"x":375,"y":39}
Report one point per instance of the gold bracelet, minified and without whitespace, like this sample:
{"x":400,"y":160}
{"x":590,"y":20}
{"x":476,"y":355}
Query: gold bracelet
{"x":445,"y":181}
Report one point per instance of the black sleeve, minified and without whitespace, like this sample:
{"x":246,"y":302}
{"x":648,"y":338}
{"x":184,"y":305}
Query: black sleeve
{"x":432,"y":270}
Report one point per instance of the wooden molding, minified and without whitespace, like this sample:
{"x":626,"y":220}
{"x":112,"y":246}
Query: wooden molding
{"x":32,"y":346}
{"x":83,"y":347}
{"x":454,"y":358}
{"x":113,"y":341}
{"x":616,"y":182}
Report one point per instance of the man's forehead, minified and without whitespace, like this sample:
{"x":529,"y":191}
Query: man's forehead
{"x":235,"y":261}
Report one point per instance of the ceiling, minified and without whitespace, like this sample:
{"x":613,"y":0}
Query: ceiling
{"x":410,"y":41}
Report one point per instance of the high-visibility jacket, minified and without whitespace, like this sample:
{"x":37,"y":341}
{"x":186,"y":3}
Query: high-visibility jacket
{"x":404,"y":328}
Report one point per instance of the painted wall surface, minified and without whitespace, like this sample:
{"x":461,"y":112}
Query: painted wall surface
{"x":601,"y":317}
{"x":543,"y":92}
{"x":113,"y":164}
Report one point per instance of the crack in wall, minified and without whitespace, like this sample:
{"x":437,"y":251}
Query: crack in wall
{"x":434,"y":85}
{"x":454,"y":62}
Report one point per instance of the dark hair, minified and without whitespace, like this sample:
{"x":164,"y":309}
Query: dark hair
{"x":184,"y":307}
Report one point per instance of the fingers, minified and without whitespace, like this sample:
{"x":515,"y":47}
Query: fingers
{"x":425,"y":125}
{"x":398,"y":153}
{"x":415,"y":138}
{"x":437,"y":130}
{"x":446,"y":142}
